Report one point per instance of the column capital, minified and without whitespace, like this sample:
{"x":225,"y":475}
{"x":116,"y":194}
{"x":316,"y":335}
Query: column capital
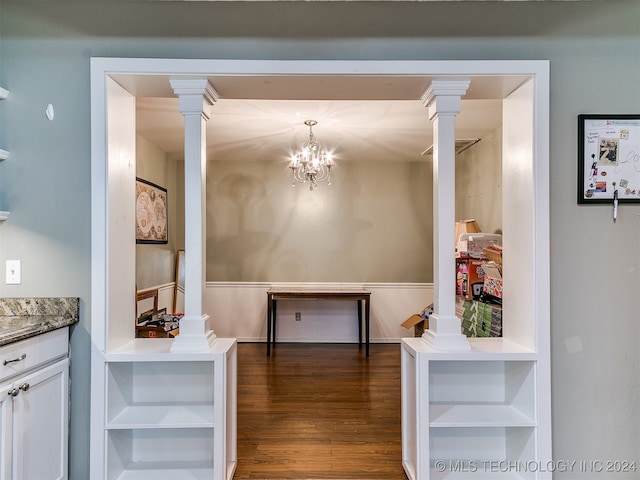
{"x":195,"y":95}
{"x":443,"y":96}
{"x":195,"y":86}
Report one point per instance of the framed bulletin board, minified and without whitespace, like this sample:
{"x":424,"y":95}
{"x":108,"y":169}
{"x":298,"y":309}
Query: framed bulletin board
{"x":608,"y":158}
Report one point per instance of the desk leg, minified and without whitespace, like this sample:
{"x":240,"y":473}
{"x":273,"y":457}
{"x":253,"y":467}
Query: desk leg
{"x":360,"y":322}
{"x":269,"y":313}
{"x":366,"y":321}
{"x":275,"y":316}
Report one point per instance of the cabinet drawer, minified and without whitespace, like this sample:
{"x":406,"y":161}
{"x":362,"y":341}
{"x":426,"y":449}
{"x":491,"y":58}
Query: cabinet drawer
{"x":33,"y":352}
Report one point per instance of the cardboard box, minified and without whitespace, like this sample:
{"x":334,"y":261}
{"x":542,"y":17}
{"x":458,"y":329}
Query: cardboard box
{"x":493,"y":253}
{"x":419,"y":322}
{"x":492,"y":284}
{"x":480,"y":319}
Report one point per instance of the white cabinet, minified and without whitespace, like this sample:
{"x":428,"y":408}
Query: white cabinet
{"x":6,"y":431}
{"x":472,"y":414}
{"x":34,"y":407}
{"x":40,"y":423}
{"x":167,"y":415}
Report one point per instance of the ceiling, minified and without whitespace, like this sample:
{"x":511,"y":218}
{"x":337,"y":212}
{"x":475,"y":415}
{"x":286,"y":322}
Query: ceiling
{"x":359,"y":117}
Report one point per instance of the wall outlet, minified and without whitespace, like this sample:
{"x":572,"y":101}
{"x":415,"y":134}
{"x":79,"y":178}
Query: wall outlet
{"x":13,"y":272}
{"x":298,"y":316}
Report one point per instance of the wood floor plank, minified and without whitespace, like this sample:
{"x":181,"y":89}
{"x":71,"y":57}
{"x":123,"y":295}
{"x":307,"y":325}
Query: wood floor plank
{"x":319,"y":411}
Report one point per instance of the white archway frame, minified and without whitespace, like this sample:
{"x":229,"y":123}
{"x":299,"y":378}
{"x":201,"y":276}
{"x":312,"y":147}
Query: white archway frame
{"x":525,"y":197}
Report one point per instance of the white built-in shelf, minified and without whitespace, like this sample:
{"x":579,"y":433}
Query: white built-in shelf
{"x":481,"y":407}
{"x":159,"y":350}
{"x":184,"y":470}
{"x":456,"y":415}
{"x":4,"y":154}
{"x":164,"y":416}
{"x":4,"y":216}
{"x":165,"y":413}
{"x":493,"y":348}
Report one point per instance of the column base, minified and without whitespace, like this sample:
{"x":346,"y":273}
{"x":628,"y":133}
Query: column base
{"x":442,"y":342}
{"x":194,"y":337}
{"x":185,"y":343}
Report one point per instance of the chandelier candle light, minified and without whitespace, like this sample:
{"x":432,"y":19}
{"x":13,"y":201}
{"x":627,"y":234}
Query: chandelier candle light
{"x":312,"y":163}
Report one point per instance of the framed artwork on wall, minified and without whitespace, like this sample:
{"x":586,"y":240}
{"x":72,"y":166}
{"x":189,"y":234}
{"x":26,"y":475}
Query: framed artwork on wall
{"x":151,"y":212}
{"x":608,"y":159}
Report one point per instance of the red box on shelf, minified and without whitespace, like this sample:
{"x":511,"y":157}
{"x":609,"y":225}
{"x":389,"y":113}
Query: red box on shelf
{"x":469,"y":277}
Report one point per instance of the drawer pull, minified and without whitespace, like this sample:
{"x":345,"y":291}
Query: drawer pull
{"x":19,"y":359}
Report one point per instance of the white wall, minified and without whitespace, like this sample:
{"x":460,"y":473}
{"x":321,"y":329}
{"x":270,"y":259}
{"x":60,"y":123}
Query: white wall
{"x":240,"y":310}
{"x":479,"y":183}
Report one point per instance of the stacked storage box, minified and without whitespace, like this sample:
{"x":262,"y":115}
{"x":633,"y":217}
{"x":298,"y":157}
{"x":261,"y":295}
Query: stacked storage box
{"x":479,"y":319}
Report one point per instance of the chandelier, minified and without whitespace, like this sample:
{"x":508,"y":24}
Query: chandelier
{"x":312,"y":163}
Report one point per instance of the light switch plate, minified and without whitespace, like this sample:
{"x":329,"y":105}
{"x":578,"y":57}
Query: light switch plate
{"x":13,"y":272}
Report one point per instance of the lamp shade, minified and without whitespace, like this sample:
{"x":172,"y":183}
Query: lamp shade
{"x":466,"y":226}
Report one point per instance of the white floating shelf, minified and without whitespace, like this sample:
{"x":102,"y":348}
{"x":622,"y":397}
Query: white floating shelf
{"x":4,"y":154}
{"x":3,"y":216}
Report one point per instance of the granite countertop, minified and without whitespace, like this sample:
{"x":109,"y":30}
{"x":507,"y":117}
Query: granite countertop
{"x":22,"y":318}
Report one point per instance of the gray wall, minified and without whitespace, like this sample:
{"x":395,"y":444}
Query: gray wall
{"x":594,"y":49}
{"x":372,"y":224}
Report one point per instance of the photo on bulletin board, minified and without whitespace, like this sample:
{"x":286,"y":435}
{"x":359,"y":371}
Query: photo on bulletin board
{"x":608,"y":158}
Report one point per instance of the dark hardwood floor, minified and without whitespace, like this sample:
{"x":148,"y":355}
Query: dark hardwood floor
{"x":319,"y":411}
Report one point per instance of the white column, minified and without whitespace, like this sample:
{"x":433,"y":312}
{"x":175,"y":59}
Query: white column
{"x":443,"y":100}
{"x":195,"y":99}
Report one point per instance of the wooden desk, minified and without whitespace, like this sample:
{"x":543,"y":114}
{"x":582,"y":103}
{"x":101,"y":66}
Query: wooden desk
{"x":362,"y":296}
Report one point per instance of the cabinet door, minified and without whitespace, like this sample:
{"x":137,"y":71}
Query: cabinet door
{"x":40,"y":424}
{"x":5,"y":432}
